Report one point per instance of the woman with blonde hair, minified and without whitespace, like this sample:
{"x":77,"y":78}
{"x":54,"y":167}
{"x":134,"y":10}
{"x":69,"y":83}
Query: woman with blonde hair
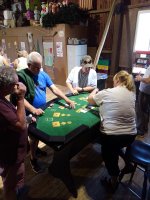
{"x":21,"y":62}
{"x":118,"y":125}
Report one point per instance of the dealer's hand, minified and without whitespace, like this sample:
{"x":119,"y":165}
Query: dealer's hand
{"x":71,"y":104}
{"x":74,"y":91}
{"x":79,"y":89}
{"x":138,"y":77}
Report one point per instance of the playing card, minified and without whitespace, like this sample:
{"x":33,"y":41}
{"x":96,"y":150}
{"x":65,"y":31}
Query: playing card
{"x":78,"y":111}
{"x":61,"y":107}
{"x":55,"y":124}
{"x":56,"y":114}
{"x":84,"y":110}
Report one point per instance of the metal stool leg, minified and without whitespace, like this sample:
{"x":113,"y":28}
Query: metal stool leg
{"x":131,"y":177}
{"x":146,"y":176}
{"x":144,"y":189}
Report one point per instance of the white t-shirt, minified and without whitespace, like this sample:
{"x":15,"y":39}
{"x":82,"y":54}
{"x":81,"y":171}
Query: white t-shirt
{"x":144,"y":87}
{"x":117,"y":111}
{"x":22,"y":63}
{"x":73,"y":77}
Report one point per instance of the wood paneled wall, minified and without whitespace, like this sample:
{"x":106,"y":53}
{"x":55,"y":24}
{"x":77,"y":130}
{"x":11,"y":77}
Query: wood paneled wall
{"x":59,"y":33}
{"x":129,"y":23}
{"x":118,"y":46}
{"x":104,"y":4}
{"x":123,"y":56}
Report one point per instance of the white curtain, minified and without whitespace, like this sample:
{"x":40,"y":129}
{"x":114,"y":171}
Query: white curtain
{"x":86,"y":4}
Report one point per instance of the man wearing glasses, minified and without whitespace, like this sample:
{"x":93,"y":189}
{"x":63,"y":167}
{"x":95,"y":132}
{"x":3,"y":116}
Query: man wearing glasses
{"x":36,"y":82}
{"x":82,"y":78}
{"x":13,"y":134}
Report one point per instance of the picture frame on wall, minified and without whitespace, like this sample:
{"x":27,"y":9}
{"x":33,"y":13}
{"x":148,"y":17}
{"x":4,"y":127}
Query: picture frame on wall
{"x":48,"y":53}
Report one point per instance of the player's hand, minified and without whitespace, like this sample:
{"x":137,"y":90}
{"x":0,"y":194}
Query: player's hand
{"x":75,"y":92}
{"x":20,"y":90}
{"x":96,"y":90}
{"x":79,"y":89}
{"x":138,"y":77}
{"x":38,"y":111}
{"x":71,"y":104}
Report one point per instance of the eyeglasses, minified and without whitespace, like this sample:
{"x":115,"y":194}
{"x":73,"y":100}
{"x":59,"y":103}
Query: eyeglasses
{"x":87,"y":62}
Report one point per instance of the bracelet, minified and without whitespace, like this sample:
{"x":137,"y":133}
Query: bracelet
{"x":82,"y":90}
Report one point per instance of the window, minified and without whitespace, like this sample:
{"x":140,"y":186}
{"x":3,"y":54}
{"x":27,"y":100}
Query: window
{"x":142,"y":34}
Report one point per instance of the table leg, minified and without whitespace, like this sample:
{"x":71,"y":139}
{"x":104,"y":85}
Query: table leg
{"x":60,"y":168}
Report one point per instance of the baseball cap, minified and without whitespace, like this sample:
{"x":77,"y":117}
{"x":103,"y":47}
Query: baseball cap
{"x":87,"y":61}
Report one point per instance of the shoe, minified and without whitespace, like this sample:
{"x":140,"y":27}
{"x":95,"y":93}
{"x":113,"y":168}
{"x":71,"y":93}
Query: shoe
{"x":126,"y":170}
{"x":40,"y":153}
{"x":110,"y":183}
{"x":35,"y":166}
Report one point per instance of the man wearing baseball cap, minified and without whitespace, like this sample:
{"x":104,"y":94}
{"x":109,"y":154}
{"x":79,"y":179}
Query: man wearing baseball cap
{"x":83,"y":78}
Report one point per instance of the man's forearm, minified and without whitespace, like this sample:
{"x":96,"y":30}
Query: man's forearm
{"x":69,"y":85}
{"x":58,"y":92}
{"x":28,"y":106}
{"x":90,"y":97}
{"x":146,"y":80}
{"x":88,"y":88}
{"x":21,"y":114}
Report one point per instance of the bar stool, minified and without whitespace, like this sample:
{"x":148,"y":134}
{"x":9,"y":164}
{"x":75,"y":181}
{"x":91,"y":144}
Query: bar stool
{"x":139,"y":154}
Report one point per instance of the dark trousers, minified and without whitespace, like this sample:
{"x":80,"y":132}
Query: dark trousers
{"x":143,"y":112}
{"x":111,"y":147}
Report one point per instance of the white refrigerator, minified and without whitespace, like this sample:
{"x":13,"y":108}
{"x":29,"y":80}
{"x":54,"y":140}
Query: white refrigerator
{"x":75,"y":54}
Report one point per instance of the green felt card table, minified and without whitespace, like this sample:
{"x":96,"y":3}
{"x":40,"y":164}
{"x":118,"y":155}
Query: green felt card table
{"x":67,"y":131}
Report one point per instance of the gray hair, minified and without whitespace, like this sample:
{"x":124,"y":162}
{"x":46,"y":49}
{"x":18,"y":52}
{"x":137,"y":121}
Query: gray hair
{"x":34,"y":57}
{"x":7,"y":76}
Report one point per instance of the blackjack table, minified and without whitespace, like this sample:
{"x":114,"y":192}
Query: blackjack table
{"x":67,"y":131}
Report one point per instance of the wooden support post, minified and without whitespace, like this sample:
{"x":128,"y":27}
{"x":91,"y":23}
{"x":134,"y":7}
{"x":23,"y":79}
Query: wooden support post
{"x":117,"y":36}
{"x":104,"y":34}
